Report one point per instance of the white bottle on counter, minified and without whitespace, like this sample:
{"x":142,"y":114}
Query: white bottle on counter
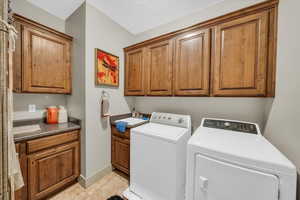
{"x":62,"y":115}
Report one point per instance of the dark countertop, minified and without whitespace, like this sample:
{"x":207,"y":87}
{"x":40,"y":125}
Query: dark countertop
{"x":114,"y":118}
{"x":46,"y":129}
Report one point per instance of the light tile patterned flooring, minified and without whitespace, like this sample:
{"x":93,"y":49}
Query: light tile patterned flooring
{"x":113,"y":183}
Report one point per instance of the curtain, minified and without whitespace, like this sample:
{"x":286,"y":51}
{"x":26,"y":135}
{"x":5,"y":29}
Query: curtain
{"x":4,"y":195}
{"x":12,"y":168}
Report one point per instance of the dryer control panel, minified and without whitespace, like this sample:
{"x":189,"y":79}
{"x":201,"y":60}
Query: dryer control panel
{"x":171,"y":119}
{"x":231,"y":125}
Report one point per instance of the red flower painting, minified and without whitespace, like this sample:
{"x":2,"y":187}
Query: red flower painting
{"x":107,"y":68}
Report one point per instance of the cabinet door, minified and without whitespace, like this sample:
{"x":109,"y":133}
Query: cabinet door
{"x":21,"y":194}
{"x":159,"y":68}
{"x":52,"y":169}
{"x":192,"y":64}
{"x":134,"y":72}
{"x":120,"y":154}
{"x":240,"y":60}
{"x":17,"y":60}
{"x":46,"y":66}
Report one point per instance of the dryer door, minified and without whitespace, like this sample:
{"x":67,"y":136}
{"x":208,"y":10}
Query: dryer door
{"x":217,"y":180}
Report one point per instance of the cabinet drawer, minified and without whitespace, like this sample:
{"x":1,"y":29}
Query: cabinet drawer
{"x":51,"y":141}
{"x":117,"y":133}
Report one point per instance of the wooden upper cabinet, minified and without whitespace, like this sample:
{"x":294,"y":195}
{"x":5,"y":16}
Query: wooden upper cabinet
{"x":192,"y":64}
{"x":231,"y":55}
{"x":42,"y":60}
{"x":159,"y":68}
{"x":134,"y":72}
{"x":240,"y":58}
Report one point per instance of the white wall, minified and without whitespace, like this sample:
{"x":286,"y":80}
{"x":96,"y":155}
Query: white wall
{"x":102,"y":33}
{"x":26,"y":9}
{"x":75,"y":26}
{"x":248,"y":109}
{"x":213,"y":11}
{"x":32,"y":12}
{"x":282,"y":127}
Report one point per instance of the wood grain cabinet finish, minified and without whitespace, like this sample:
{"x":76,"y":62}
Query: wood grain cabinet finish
{"x":52,"y":169}
{"x":192,"y":64}
{"x":231,"y":55}
{"x":120,"y":153}
{"x":159,"y":57}
{"x":240,"y":58}
{"x":48,"y":164}
{"x":135,"y":73}
{"x":21,"y":194}
{"x":42,"y":60}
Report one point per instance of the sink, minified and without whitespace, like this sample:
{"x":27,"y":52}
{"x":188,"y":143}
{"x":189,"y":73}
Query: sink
{"x":26,"y":129}
{"x":132,"y":121}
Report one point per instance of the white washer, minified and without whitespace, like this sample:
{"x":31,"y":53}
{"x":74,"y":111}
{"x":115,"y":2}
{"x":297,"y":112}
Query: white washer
{"x":158,"y":158}
{"x":231,"y":160}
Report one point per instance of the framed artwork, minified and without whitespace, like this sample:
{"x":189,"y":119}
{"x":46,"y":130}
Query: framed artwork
{"x":107,"y":68}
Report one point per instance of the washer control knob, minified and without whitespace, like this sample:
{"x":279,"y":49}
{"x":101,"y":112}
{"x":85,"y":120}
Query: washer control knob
{"x":227,"y":124}
{"x":180,"y":120}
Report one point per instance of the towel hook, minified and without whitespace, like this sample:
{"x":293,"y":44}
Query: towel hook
{"x":105,"y":94}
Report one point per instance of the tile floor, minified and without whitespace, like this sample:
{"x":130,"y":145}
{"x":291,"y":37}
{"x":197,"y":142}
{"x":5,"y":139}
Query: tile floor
{"x":112,"y":184}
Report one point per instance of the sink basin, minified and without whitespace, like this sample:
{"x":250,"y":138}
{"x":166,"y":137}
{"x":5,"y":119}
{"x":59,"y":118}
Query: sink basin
{"x":26,"y":129}
{"x":132,"y":121}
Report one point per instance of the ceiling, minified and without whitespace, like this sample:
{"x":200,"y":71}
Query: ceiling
{"x":134,"y":15}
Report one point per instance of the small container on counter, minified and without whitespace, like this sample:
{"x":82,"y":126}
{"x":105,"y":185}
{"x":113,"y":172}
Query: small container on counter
{"x":52,"y":115}
{"x":62,"y":115}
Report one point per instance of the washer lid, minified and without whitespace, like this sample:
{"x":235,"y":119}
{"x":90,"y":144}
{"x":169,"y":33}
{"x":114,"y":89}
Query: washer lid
{"x":245,"y":149}
{"x":164,"y":132}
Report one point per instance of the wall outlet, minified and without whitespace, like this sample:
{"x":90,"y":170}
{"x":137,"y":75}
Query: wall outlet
{"x":31,"y":108}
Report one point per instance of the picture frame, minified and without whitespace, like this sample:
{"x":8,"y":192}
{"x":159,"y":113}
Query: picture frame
{"x":107,"y":68}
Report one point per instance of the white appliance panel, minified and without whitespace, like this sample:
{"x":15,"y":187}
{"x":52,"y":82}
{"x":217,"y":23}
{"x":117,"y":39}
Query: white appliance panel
{"x":158,"y":158}
{"x":152,"y":176}
{"x":217,"y":180}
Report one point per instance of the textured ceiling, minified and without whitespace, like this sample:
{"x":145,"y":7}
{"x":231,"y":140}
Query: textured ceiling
{"x":134,"y":15}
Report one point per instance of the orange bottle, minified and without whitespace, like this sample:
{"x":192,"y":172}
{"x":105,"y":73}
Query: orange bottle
{"x":52,"y":115}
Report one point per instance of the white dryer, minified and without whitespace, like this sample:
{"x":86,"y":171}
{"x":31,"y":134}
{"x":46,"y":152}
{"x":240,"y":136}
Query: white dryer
{"x":231,"y":160}
{"x":158,"y":158}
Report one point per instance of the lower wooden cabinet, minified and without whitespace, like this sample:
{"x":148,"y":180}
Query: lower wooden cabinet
{"x":51,"y":166}
{"x":21,"y":194}
{"x":121,"y":153}
{"x":50,"y":170}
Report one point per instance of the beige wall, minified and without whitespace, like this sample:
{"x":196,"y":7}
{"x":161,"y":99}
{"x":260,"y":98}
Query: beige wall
{"x":282,"y":127}
{"x":35,"y":13}
{"x":75,"y":26}
{"x":248,"y":109}
{"x":30,"y":11}
{"x":102,"y":33}
{"x":91,"y":29}
{"x":213,"y":11}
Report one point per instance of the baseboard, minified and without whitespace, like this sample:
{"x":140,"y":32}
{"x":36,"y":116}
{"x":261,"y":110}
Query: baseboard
{"x":86,"y":182}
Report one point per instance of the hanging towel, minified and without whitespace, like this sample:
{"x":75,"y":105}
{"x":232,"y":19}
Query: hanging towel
{"x":121,"y":126}
{"x":14,"y":170}
{"x":105,"y":106}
